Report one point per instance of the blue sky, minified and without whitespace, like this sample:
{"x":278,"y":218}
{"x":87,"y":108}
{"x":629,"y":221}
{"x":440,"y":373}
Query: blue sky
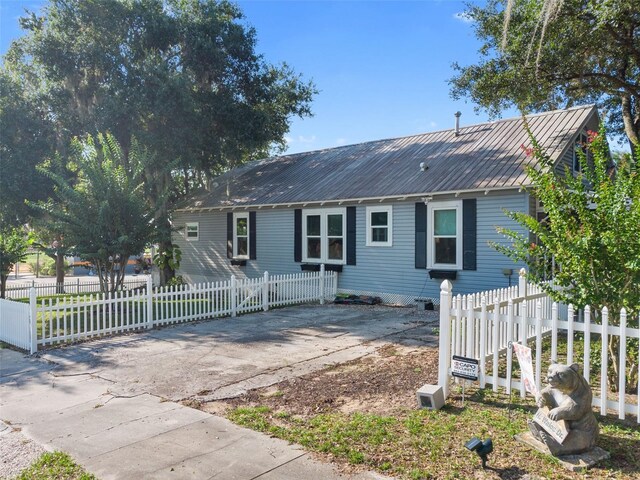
{"x":381,"y":67}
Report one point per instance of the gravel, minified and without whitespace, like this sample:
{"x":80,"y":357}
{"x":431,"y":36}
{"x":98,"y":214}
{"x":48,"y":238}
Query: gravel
{"x":17,"y":452}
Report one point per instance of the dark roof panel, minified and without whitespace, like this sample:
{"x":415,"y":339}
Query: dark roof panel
{"x":484,"y":156}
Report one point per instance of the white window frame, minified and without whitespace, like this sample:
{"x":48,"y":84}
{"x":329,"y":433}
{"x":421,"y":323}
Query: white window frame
{"x":388,"y":209}
{"x":186,"y":231}
{"x":581,"y":139}
{"x":324,"y":238}
{"x":431,"y":208}
{"x":237,"y":216}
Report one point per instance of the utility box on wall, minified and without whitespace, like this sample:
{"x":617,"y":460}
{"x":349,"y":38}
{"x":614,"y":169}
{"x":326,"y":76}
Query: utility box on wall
{"x":430,"y":397}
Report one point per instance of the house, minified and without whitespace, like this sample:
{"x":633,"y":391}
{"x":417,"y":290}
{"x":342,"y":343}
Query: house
{"x":394,"y":216}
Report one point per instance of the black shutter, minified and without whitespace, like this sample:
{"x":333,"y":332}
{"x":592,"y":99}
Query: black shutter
{"x":421,"y":235}
{"x":469,"y":234}
{"x":351,"y":235}
{"x":252,"y":235}
{"x":230,"y":235}
{"x":297,"y":232}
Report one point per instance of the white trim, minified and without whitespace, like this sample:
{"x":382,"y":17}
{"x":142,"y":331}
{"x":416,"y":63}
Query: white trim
{"x":582,"y":137}
{"x":236,"y":216}
{"x":339,"y":201}
{"x":388,"y":209}
{"x":186,"y":231}
{"x":450,"y":205}
{"x":324,"y":237}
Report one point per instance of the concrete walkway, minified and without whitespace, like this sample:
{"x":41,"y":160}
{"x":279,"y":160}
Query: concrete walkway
{"x":108,"y":403}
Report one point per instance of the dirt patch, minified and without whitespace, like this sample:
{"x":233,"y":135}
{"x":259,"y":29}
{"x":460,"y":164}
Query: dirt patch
{"x":382,"y":383}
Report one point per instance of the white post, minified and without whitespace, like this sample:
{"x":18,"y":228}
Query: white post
{"x":233,"y":295}
{"x":33,"y":320}
{"x":538,"y":345}
{"x":445,"y":340}
{"x":554,"y":332}
{"x":265,"y":291}
{"x":603,"y":361}
{"x":149,"y":302}
{"x":322,"y":284}
{"x":509,"y":342}
{"x":623,"y":364}
{"x":483,"y":339}
{"x":522,"y":283}
{"x":586,"y":359}
{"x":570,"y":315}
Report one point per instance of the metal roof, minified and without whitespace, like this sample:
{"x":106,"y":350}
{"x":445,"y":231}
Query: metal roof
{"x":486,"y":156}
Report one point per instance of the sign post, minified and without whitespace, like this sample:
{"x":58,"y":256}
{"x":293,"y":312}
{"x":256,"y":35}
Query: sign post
{"x":465,"y":368}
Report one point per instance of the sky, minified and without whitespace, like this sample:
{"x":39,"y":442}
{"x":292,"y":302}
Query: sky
{"x":381,"y":67}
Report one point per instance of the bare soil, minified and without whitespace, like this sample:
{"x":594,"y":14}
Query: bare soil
{"x":383,"y":383}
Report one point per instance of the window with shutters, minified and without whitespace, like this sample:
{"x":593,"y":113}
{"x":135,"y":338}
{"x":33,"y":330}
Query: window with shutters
{"x":444,"y":229}
{"x":379,"y":226}
{"x":323,"y":235}
{"x":241,"y":235}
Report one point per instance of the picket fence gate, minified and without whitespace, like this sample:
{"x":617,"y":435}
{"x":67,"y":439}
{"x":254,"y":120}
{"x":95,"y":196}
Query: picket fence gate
{"x":68,"y":319}
{"x":483,"y":326}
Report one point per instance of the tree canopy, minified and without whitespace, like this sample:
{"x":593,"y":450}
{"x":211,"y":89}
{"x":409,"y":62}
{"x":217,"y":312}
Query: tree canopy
{"x":590,"y":230}
{"x":14,"y":243}
{"x":589,"y":51}
{"x":182,"y":76}
{"x":105,"y":214}
{"x":27,"y":138}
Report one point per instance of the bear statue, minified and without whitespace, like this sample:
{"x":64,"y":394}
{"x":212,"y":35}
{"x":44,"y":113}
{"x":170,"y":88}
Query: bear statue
{"x":568,"y":396}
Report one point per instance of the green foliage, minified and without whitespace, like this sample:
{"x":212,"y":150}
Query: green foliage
{"x":55,"y":466}
{"x":176,"y":281}
{"x":586,"y":53}
{"x":591,"y":231}
{"x":105,"y":215}
{"x":47,"y":266}
{"x":169,"y":258}
{"x":14,"y":243}
{"x":26,"y":140}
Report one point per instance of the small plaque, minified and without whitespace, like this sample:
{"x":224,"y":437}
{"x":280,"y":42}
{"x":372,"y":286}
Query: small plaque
{"x":558,"y":430}
{"x":463,"y":367}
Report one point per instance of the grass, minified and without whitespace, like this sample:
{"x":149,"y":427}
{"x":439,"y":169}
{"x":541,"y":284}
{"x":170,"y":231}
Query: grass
{"x":424,"y":444}
{"x":55,"y":466}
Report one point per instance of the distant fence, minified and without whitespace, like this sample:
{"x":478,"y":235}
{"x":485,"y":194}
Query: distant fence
{"x":483,"y":325}
{"x":72,"y":318}
{"x":21,"y":290}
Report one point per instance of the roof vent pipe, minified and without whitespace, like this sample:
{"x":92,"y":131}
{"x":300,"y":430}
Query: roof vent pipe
{"x":457,"y":115}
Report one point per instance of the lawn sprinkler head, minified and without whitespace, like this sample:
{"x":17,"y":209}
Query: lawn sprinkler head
{"x":483,"y":449}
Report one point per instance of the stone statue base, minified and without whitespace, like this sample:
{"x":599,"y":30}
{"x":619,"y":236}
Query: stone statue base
{"x":574,"y":463}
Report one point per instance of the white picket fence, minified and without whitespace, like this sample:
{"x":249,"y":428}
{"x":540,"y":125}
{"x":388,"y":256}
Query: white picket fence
{"x":483,"y":325}
{"x":70,"y":287}
{"x":14,"y":323}
{"x":69,"y":319}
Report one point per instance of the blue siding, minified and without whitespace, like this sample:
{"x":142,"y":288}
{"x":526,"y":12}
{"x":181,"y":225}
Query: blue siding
{"x":378,"y":269}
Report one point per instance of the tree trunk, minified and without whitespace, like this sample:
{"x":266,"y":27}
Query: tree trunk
{"x":3,"y":284}
{"x":631,"y":120}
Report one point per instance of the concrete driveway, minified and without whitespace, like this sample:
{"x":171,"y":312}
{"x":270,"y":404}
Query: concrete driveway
{"x":111,"y":403}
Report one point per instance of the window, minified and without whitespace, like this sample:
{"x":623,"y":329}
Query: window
{"x":192,"y":231}
{"x":580,"y":145}
{"x":324,"y":235}
{"x":241,"y":235}
{"x":444,"y":228}
{"x":379,"y":226}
